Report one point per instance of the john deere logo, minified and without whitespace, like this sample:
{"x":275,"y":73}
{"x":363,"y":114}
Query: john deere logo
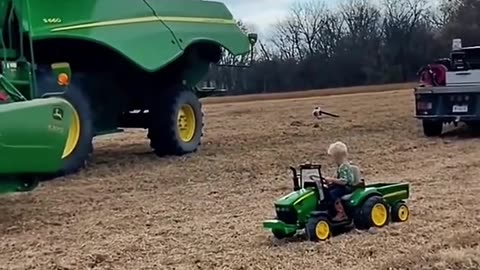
{"x":57,"y":114}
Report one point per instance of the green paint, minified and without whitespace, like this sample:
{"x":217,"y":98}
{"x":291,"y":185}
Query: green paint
{"x":151,"y":34}
{"x":151,"y":40}
{"x":294,"y":197}
{"x":390,"y":192}
{"x":31,"y":138}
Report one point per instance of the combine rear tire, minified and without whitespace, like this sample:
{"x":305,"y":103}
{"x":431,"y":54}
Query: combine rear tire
{"x":176,"y":122}
{"x":78,"y":147}
{"x":432,"y":128}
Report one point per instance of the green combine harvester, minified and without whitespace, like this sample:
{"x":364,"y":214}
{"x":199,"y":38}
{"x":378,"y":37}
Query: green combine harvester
{"x":73,"y":70}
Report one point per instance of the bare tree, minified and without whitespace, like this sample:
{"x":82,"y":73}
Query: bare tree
{"x":309,"y":18}
{"x":362,"y":19}
{"x":358,"y":42}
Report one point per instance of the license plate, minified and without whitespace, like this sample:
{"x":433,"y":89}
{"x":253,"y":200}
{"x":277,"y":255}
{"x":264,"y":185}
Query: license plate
{"x":460,"y":108}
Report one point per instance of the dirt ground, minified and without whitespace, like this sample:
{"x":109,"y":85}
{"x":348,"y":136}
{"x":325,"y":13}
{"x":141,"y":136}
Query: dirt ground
{"x":131,"y":210}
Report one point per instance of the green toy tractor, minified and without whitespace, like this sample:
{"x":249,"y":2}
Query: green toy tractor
{"x":310,"y":207}
{"x":73,"y":70}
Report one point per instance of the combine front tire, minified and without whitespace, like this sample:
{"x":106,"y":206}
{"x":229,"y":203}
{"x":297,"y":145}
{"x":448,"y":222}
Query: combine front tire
{"x":432,"y":128}
{"x":176,"y":122}
{"x":80,"y":134}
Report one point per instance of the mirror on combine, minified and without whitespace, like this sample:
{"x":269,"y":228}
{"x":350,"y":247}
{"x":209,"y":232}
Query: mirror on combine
{"x":253,"y":38}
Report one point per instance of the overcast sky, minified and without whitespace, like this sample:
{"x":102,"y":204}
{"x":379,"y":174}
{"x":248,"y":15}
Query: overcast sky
{"x":262,"y":13}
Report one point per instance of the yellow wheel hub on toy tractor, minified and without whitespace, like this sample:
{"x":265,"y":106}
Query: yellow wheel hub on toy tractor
{"x":379,"y":215}
{"x":322,"y":230}
{"x":186,"y":123}
{"x":73,"y":135}
{"x":403,"y":213}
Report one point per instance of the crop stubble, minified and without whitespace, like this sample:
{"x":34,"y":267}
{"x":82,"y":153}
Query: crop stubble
{"x":131,"y":210}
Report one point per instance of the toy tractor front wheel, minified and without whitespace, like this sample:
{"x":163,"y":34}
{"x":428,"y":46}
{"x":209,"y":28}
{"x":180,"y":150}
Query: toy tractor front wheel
{"x":318,"y":229}
{"x":176,"y":122}
{"x":373,"y":213}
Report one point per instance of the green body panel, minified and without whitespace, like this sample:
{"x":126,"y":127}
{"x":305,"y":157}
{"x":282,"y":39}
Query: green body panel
{"x":293,"y":197}
{"x":31,"y":139}
{"x":17,"y":184}
{"x":391,"y":192}
{"x":304,"y":201}
{"x":150,"y":38}
{"x":278,"y":225}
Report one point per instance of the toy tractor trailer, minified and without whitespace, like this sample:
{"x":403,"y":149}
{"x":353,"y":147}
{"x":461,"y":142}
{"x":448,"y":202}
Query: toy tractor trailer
{"x":450,"y":91}
{"x":106,"y":65}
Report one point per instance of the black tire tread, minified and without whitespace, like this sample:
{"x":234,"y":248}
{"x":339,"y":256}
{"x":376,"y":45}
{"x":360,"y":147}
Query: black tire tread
{"x":81,"y":156}
{"x":394,"y":211}
{"x":432,"y":128}
{"x":162,"y":130}
{"x":363,"y":219}
{"x":311,"y":225}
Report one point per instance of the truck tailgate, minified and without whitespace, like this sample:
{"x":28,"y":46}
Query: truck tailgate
{"x":447,"y":101}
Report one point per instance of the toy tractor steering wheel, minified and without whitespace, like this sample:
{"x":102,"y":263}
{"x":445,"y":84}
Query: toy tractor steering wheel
{"x":317,"y":178}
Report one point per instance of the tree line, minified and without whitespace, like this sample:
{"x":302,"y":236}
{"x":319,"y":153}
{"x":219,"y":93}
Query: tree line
{"x":358,"y":42}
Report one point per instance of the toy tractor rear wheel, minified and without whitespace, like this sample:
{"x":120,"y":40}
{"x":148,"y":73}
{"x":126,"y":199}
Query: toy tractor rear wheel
{"x":318,"y":229}
{"x":400,"y":212}
{"x":373,"y":213}
{"x":176,"y":121}
{"x":432,"y":128}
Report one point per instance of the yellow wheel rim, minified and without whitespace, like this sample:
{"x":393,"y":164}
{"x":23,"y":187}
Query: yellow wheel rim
{"x":403,"y":213}
{"x":322,"y":230}
{"x":379,"y":215}
{"x":73,"y":135}
{"x":186,"y":123}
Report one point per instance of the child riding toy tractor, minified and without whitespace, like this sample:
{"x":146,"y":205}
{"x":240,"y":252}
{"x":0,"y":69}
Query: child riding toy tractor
{"x":310,"y":207}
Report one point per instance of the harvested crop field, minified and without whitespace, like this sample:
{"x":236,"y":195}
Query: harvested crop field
{"x":131,"y":210}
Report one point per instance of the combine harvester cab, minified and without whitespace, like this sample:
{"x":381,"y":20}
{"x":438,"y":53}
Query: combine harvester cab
{"x":106,"y":65}
{"x":449,"y":91}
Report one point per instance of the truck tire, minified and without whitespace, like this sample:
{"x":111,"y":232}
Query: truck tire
{"x":176,"y":122}
{"x":78,"y":148}
{"x":432,"y":128}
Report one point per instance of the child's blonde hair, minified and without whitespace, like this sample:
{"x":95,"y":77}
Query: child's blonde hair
{"x":337,"y":148}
